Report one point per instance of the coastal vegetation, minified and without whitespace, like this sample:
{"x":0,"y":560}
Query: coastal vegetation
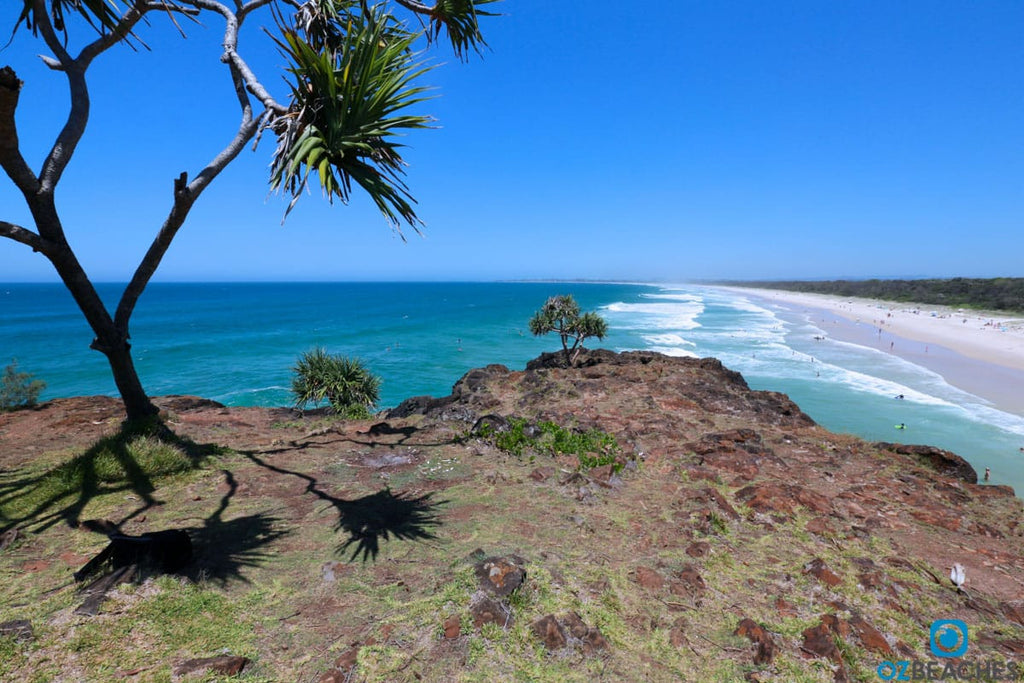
{"x":18,"y":389}
{"x":591,"y":447}
{"x":561,"y":314}
{"x":353,"y":71}
{"x":344,"y":383}
{"x":992,"y":294}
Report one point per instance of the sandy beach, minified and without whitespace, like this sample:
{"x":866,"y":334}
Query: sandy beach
{"x":979,"y":352}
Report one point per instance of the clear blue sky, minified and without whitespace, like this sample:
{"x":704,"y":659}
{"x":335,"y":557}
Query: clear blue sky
{"x":647,"y":141}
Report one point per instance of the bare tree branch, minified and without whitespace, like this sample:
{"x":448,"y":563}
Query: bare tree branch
{"x":416,"y":7}
{"x":108,"y":40}
{"x":10,"y":153}
{"x":20,"y":234}
{"x":185,"y":193}
{"x":78,"y":116}
{"x":164,"y":6}
{"x":233,"y":23}
{"x":44,"y":26}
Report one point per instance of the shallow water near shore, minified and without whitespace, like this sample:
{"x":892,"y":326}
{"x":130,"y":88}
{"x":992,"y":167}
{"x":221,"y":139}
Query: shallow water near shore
{"x":236,"y":343}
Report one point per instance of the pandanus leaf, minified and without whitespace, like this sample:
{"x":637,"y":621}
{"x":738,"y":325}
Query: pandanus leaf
{"x":345,"y":114}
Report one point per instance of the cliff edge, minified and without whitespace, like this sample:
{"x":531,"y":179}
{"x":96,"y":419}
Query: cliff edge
{"x":721,"y":536}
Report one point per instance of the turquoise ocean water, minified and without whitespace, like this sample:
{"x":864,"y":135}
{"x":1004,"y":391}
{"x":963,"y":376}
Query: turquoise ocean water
{"x":236,"y":343}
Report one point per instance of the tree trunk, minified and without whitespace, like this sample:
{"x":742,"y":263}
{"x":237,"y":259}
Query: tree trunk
{"x":136,"y":403}
{"x":111,"y":340}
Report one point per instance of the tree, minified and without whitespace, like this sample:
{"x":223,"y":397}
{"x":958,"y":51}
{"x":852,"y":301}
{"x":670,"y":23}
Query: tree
{"x":561,"y":314}
{"x":352,"y":73}
{"x":347,"y":386}
{"x":18,"y":389}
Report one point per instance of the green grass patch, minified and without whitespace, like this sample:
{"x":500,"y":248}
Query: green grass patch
{"x":592,"y":447}
{"x":196,"y":619}
{"x":11,"y":654}
{"x":132,"y":459}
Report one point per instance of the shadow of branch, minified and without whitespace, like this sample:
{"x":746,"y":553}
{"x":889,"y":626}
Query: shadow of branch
{"x":223,"y":548}
{"x":127,"y":461}
{"x":373,"y":518}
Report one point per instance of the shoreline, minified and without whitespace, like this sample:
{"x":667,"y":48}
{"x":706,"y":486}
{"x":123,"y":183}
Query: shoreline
{"x":982,"y":354}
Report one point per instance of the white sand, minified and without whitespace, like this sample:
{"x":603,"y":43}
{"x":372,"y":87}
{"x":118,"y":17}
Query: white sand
{"x":990,"y":338}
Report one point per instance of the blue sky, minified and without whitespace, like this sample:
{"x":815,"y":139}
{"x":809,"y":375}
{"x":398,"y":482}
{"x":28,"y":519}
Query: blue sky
{"x":643,"y":141}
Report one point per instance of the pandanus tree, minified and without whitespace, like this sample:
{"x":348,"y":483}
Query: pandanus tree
{"x":354,"y":73}
{"x":561,"y":314}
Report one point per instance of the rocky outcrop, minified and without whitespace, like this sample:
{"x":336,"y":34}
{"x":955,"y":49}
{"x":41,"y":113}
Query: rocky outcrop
{"x":727,"y":538}
{"x":945,"y":463}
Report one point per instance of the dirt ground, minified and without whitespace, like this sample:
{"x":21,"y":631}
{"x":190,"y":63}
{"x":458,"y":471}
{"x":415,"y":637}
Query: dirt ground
{"x":330,"y":550}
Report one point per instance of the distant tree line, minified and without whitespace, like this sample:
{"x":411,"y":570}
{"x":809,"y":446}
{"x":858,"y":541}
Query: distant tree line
{"x":994,"y":294}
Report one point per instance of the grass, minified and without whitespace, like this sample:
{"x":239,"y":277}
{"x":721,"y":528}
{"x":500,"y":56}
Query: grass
{"x":133,"y":459}
{"x":581,"y":557}
{"x":592,"y":447}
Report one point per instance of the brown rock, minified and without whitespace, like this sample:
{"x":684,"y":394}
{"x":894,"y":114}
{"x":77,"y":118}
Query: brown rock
{"x":786,"y":609}
{"x":333,"y":676}
{"x":698,"y":549}
{"x":487,"y":611}
{"x":820,"y":525}
{"x":348,"y":659}
{"x":542,"y":473}
{"x":838,"y":626}
{"x":937,"y":516}
{"x":224,"y":665}
{"x":870,"y":637}
{"x":501,"y":576}
{"x":695,"y":473}
{"x":19,"y":629}
{"x":594,"y":640}
{"x":780,"y":497}
{"x":765,"y":651}
{"x":819,"y":642}
{"x":688,"y":582}
{"x":575,"y":624}
{"x":1013,"y":610}
{"x":452,"y":627}
{"x":819,"y":570}
{"x":719,"y":500}
{"x":649,"y":578}
{"x":944,"y":462}
{"x":550,"y":632}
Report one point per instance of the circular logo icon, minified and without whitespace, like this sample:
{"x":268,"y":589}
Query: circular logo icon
{"x":948,"y":638}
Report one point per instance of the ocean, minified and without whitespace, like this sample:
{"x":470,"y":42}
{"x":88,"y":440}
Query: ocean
{"x":237,"y":342}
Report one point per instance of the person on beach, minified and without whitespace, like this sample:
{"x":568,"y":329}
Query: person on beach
{"x":988,"y":472}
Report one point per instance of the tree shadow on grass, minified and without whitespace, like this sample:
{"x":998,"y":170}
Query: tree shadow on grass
{"x":373,"y":518}
{"x":403,"y":436}
{"x":128,"y":461}
{"x":384,"y":515}
{"x":222,"y":548}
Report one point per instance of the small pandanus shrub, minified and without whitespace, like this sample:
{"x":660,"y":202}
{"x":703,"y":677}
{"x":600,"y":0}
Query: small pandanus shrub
{"x":343,"y":383}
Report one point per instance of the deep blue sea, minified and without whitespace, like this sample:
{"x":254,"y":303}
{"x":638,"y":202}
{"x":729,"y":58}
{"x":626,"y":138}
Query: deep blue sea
{"x":237,"y":342}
